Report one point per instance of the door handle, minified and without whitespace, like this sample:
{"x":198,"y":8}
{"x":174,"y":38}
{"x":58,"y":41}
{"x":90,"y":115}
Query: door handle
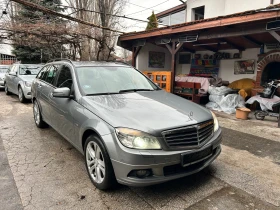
{"x":39,"y":86}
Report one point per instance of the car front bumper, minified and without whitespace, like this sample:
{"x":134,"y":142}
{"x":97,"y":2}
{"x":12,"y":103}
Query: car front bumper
{"x":1,"y":83}
{"x":26,"y":91}
{"x":164,"y":165}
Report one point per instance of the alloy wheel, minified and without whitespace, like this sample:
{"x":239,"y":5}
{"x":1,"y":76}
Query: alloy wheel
{"x":6,"y":89}
{"x":20,"y":94}
{"x":95,"y":162}
{"x":36,"y":113}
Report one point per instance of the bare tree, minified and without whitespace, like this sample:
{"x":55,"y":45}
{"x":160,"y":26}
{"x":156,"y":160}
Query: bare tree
{"x":100,"y":12}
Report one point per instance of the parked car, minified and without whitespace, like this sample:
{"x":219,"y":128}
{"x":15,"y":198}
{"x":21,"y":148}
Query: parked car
{"x":3,"y":71}
{"x":19,"y":78}
{"x":128,"y":129}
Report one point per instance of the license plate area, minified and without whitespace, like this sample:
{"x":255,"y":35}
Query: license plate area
{"x":195,"y":157}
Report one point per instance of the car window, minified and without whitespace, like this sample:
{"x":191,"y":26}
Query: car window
{"x":29,"y":69}
{"x":110,"y":79}
{"x":64,"y":78}
{"x":43,"y":73}
{"x":50,"y":76}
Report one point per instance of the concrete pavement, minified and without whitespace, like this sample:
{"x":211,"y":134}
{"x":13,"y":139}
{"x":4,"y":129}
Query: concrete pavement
{"x":50,"y":174}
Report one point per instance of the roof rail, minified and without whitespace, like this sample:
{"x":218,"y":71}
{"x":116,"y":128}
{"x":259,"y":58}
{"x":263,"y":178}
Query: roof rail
{"x":59,"y":59}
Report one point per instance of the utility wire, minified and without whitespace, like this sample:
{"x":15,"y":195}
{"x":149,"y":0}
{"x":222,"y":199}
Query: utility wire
{"x":46,"y":10}
{"x":120,"y":16}
{"x":147,"y":8}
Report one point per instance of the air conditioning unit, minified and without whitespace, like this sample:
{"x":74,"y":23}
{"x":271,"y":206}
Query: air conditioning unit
{"x":163,"y":41}
{"x":139,"y":43}
{"x":272,"y":46}
{"x":188,"y":38}
{"x":273,"y":25}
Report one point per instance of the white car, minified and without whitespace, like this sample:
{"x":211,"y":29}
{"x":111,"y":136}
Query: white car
{"x":19,"y":78}
{"x":3,"y":71}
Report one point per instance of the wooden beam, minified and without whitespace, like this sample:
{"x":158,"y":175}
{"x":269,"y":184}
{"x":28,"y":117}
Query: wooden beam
{"x":211,"y":23}
{"x":252,"y":41}
{"x":173,"y":65}
{"x":178,"y":47}
{"x":208,"y":47}
{"x":135,"y":52}
{"x":233,"y":45}
{"x":275,"y":35}
{"x":169,"y":48}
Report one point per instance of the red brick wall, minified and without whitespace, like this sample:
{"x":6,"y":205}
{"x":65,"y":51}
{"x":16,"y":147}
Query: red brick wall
{"x":264,"y":59}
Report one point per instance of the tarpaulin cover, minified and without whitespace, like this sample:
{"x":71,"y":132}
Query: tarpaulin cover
{"x":265,"y":103}
{"x":220,"y":102}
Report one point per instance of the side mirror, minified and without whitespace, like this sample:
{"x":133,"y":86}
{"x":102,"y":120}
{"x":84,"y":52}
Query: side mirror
{"x":61,"y":92}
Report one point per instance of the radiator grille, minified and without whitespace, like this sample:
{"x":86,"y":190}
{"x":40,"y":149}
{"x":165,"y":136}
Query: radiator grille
{"x":189,"y":137}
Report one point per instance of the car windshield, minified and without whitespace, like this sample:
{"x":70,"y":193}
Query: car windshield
{"x":96,"y":80}
{"x":29,"y":69}
{"x":3,"y":69}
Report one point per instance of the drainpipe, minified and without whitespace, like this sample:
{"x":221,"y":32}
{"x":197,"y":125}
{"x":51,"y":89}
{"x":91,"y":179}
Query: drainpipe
{"x":271,"y":1}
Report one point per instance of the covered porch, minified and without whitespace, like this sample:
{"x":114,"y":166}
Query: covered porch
{"x":251,"y":35}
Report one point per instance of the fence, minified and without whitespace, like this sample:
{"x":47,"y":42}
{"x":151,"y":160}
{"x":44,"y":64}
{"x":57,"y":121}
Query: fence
{"x":7,"y":59}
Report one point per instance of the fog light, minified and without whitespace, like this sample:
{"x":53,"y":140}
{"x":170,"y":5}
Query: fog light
{"x":142,"y":173}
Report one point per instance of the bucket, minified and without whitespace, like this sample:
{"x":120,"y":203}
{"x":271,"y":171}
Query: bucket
{"x":242,"y":113}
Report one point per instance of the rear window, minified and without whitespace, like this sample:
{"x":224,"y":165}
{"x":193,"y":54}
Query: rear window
{"x":29,"y":69}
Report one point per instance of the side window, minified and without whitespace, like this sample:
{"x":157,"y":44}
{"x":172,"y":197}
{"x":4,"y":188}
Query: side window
{"x":43,"y":73}
{"x":50,"y":78}
{"x":64,"y":77}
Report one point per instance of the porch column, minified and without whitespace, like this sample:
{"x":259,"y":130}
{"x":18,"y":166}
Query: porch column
{"x":135,"y":52}
{"x":173,"y":49}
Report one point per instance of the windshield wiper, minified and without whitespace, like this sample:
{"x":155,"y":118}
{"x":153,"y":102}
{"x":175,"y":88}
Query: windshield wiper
{"x":97,"y":94}
{"x":135,"y":90}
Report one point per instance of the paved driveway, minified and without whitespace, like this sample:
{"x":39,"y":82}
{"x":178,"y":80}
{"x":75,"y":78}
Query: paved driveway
{"x":48,"y":173}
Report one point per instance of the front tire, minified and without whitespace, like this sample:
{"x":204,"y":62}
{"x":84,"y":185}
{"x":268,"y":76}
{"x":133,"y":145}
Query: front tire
{"x":6,"y":89}
{"x":37,"y":116}
{"x":98,"y":164}
{"x":21,"y":96}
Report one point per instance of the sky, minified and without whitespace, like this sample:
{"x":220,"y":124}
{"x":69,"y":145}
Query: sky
{"x":142,"y":10}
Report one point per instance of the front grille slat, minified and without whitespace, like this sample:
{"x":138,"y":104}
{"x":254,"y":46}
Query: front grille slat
{"x":188,"y":137}
{"x":182,"y":139}
{"x":181,"y":135}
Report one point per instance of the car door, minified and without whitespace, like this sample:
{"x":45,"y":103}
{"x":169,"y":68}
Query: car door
{"x":10,"y":79}
{"x":43,"y":96}
{"x":62,"y":119}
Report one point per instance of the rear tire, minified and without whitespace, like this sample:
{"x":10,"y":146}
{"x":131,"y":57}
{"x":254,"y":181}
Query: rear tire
{"x":259,"y":115}
{"x":6,"y":89}
{"x":98,"y":164}
{"x":37,"y":116}
{"x":21,"y":96}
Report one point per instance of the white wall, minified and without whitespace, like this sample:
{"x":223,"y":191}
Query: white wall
{"x":214,"y":8}
{"x":226,"y":71}
{"x":142,"y":60}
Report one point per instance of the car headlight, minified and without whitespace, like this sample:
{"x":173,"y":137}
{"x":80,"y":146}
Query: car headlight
{"x":216,"y":123}
{"x":137,"y":139}
{"x":27,"y":84}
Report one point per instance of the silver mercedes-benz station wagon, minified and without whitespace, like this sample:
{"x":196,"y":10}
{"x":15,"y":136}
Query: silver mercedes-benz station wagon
{"x":18,"y":80}
{"x":128,"y":129}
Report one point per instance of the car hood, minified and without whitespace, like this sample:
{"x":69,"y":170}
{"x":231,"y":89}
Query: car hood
{"x":149,"y":111}
{"x":27,"y":78}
